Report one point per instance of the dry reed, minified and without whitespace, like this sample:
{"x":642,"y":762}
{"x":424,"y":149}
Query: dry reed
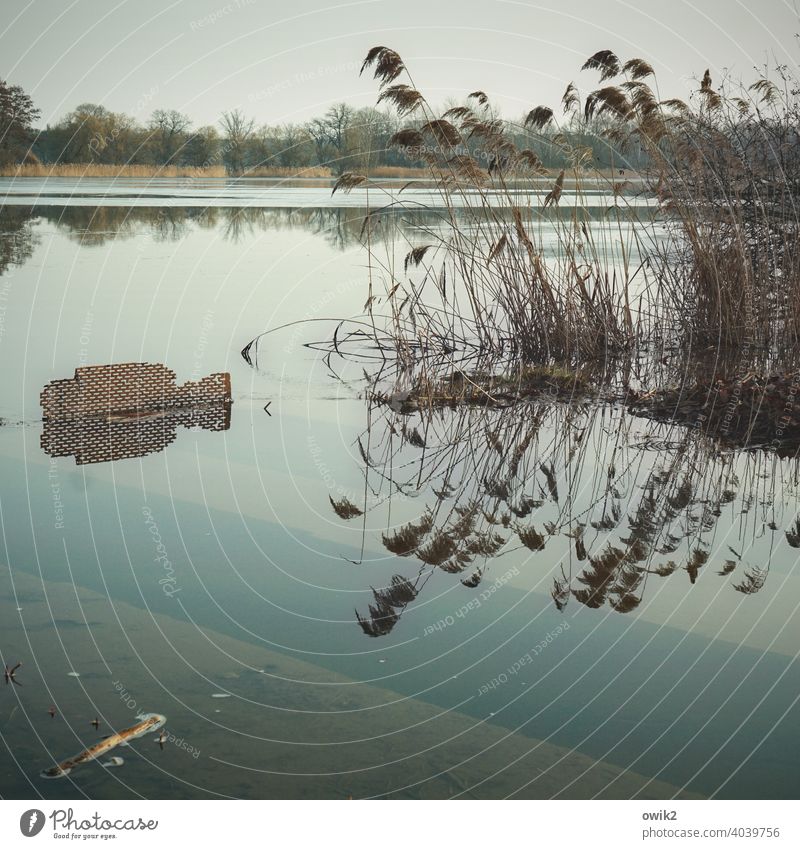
{"x":91,"y":169}
{"x":701,"y":247}
{"x":310,"y":171}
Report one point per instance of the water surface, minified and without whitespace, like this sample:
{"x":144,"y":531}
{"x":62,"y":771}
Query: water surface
{"x":682,"y":682}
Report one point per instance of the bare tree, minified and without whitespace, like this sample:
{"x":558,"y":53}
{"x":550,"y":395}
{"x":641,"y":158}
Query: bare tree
{"x":330,"y":132}
{"x":238,"y":129}
{"x":168,"y":131}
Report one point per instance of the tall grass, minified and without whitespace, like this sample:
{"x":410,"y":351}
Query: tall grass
{"x":399,"y":171}
{"x":280,"y":171}
{"x":91,"y":169}
{"x":701,"y":249}
{"x":494,"y":320}
{"x":727,"y":170}
{"x":483,"y":278}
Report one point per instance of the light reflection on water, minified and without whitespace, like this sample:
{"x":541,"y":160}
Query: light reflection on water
{"x":477,"y":688}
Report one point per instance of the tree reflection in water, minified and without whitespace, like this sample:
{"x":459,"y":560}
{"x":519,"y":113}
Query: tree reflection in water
{"x":17,"y":239}
{"x":97,"y":225}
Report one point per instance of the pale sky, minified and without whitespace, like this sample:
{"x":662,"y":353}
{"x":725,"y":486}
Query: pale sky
{"x":283,"y":61}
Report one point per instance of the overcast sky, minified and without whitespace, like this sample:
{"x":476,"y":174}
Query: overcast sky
{"x":287,"y":61}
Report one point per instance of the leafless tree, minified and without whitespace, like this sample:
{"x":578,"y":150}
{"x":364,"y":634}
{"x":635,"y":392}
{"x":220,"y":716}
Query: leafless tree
{"x":168,"y":128}
{"x":237,"y":128}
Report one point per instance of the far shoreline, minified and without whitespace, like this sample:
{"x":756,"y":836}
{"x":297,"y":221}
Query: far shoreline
{"x":311,"y":173}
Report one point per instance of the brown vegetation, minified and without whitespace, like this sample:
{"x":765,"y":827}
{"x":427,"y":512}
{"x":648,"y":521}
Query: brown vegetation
{"x":314,"y":171}
{"x":700,"y":251}
{"x":93,"y":169}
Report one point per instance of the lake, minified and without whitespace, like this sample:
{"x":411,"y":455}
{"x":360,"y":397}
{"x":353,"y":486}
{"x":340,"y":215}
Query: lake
{"x":329,"y":597}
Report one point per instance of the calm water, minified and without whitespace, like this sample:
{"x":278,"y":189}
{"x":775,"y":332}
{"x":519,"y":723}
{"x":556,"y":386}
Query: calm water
{"x":670,"y":668}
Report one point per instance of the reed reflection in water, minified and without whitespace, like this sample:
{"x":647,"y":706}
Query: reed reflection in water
{"x":609,"y":504}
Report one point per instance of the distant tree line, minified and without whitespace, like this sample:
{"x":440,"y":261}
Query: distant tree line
{"x":343,"y":138}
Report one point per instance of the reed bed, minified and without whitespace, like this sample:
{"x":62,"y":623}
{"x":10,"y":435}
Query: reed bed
{"x":484,"y":280}
{"x":315,"y":171}
{"x":565,"y":365}
{"x":703,"y":243}
{"x":398,"y":172}
{"x":92,"y":169}
{"x":694,"y":258}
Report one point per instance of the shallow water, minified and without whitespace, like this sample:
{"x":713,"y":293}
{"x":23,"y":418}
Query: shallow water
{"x":485,"y":690}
